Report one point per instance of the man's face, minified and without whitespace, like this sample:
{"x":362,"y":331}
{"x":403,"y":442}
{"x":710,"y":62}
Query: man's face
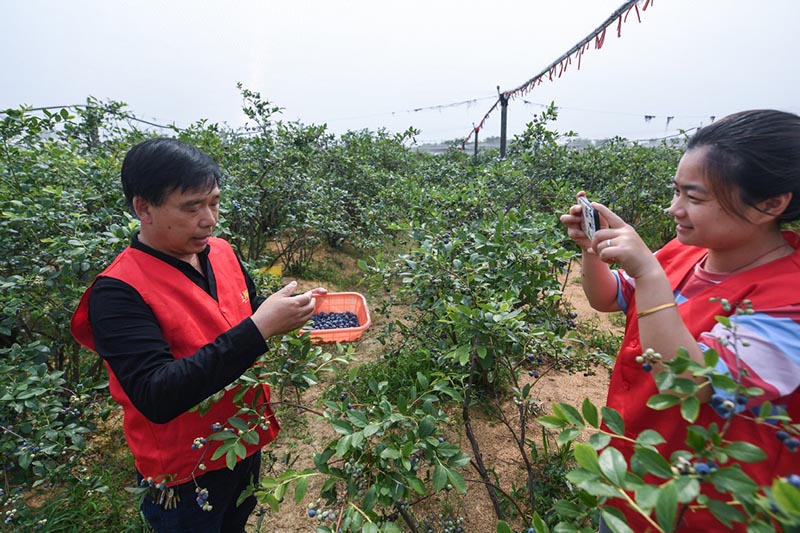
{"x":182,"y":225}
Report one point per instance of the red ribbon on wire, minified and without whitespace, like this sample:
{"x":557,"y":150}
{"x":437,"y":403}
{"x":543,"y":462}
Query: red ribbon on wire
{"x":599,"y":40}
{"x":636,"y":7}
{"x":566,"y":60}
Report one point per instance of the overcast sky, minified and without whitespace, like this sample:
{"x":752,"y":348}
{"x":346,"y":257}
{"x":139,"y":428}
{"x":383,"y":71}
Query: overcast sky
{"x":369,"y":63}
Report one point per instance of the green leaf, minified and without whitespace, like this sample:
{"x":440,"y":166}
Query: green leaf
{"x":679,"y":365}
{"x":503,"y":527}
{"x":462,"y":354}
{"x":710,"y":358}
{"x":684,"y":387}
{"x":427,"y":426}
{"x":568,"y":435}
{"x":439,"y":477}
{"x":552,"y":421}
{"x":765,"y":410}
{"x":567,"y":509}
{"x":690,"y":408}
{"x":238,"y":423}
{"x":416,"y":484}
{"x":272,"y":501}
{"x":343,"y":446}
{"x":370,"y":498}
{"x":688,"y":488}
{"x":613,"y":420}
{"x":757,"y":526}
{"x":601,"y":489}
{"x":653,"y":462}
{"x":569,"y":413}
{"x":734,"y":480}
{"x":222,"y":450}
{"x":659,"y":402}
{"x":358,"y":418}
{"x":614,"y":520}
{"x":647,"y":496}
{"x":727,"y":514}
{"x":457,"y":481}
{"x":667,"y":506}
{"x":25,"y":461}
{"x":251,"y":437}
{"x":240,"y":450}
{"x":391,"y":453}
{"x":539,"y":525}
{"x":598,"y":441}
{"x":586,"y":456}
{"x":590,"y":413}
{"x":787,"y":497}
{"x":356,"y":439}
{"x":649,"y":437}
{"x":342,"y":427}
{"x":300,"y":489}
{"x":613,"y":465}
{"x":459,"y":460}
{"x":745,"y":452}
{"x":230,"y":458}
{"x":579,"y":476}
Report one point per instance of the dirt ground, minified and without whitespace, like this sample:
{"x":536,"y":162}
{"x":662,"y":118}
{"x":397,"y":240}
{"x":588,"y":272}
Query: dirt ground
{"x":302,"y":436}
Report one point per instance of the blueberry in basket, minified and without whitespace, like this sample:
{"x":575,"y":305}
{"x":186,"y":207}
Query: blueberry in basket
{"x":333,"y":320}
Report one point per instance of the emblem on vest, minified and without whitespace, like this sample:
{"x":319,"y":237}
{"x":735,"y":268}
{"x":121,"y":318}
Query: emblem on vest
{"x":245,"y":296}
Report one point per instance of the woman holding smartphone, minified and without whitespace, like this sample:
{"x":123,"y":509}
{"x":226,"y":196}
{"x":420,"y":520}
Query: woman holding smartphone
{"x":736,"y":184}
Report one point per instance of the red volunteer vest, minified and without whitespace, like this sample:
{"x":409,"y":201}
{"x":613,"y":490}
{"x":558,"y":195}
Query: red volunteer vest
{"x":189,"y":318}
{"x":768,"y":286}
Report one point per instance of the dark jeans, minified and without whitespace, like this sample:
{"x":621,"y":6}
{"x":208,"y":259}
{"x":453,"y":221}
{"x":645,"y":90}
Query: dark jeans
{"x":224,"y":487}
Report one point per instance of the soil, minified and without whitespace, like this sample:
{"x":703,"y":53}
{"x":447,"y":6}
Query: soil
{"x":302,"y":435}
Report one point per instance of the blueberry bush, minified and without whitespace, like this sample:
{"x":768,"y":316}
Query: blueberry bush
{"x":683,"y":480}
{"x":464,"y":259}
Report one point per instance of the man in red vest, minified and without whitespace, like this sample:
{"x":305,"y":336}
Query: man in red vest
{"x":176,"y":319}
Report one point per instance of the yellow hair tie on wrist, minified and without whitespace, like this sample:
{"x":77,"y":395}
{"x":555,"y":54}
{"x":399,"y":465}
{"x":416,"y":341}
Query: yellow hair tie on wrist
{"x":656,"y":309}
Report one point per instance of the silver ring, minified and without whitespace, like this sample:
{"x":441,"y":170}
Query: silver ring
{"x":608,"y":243}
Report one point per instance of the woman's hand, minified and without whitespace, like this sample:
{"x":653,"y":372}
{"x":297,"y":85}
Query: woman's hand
{"x":573,"y":220}
{"x":619,"y":243}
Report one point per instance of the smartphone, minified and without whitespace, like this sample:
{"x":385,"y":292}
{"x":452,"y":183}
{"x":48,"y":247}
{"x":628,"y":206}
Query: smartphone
{"x":591,"y":218}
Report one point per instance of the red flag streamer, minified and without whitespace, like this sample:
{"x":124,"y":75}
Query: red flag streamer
{"x":599,"y":40}
{"x":479,"y":127}
{"x":558,"y":66}
{"x":636,"y":7}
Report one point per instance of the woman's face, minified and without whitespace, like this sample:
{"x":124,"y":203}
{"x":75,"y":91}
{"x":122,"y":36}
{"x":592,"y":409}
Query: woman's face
{"x":701,"y":219}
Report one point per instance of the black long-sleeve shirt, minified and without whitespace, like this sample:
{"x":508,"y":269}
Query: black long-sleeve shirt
{"x":128,"y":336}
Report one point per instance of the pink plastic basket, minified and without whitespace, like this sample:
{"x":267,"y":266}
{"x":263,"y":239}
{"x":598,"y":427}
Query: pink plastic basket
{"x":340,"y":302}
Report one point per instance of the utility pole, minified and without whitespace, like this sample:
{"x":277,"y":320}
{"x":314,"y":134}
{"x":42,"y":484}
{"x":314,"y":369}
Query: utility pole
{"x":503,"y":121}
{"x":476,"y":143}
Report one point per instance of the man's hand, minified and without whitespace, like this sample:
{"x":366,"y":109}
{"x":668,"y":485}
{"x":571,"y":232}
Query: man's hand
{"x":282,"y":312}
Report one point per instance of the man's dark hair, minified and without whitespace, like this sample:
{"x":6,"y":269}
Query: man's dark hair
{"x":154,"y":168}
{"x":752,"y":156}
